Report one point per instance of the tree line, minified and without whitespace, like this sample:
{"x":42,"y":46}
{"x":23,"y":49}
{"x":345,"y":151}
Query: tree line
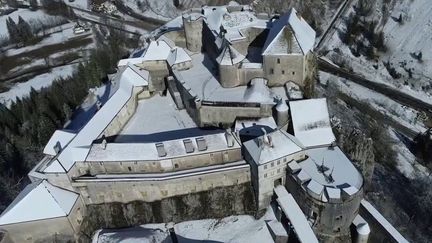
{"x":20,"y":32}
{"x":27,"y":125}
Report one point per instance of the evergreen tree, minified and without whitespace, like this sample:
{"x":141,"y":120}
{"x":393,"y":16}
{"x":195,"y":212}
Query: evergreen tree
{"x":67,"y":112}
{"x":33,"y":4}
{"x":24,"y":30}
{"x":46,"y":128}
{"x":13,"y":30}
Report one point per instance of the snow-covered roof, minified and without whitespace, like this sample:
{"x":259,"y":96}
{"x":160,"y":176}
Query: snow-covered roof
{"x":38,"y":201}
{"x":281,"y":145}
{"x":232,"y":22}
{"x":229,"y":55}
{"x":178,"y":55}
{"x":54,"y":166}
{"x":149,"y":152}
{"x":311,"y":122}
{"x":303,"y":33}
{"x":250,"y":122}
{"x":202,"y":82}
{"x":258,"y":91}
{"x":77,"y":150}
{"x":160,"y":50}
{"x":157,"y":51}
{"x":60,"y":136}
{"x":328,"y":169}
{"x":214,"y":16}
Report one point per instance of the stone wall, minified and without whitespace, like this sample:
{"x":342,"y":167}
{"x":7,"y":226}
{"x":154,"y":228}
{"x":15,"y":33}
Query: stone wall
{"x":193,"y":32}
{"x":224,"y":114}
{"x":4,"y":237}
{"x":229,"y":75}
{"x":158,"y":166}
{"x":158,"y":72}
{"x":96,"y":192}
{"x":331,"y":220}
{"x":280,"y":69}
{"x":381,"y":229}
{"x":213,"y":203}
{"x":123,"y":116}
{"x":39,"y":231}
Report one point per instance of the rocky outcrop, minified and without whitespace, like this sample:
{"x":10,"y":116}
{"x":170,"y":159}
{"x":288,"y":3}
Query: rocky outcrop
{"x":359,"y":148}
{"x":216,"y":203}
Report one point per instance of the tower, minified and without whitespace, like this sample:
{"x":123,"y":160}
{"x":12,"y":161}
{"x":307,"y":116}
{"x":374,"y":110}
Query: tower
{"x":193,"y":25}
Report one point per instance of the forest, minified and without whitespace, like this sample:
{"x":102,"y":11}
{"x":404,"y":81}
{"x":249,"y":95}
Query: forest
{"x":27,"y":125}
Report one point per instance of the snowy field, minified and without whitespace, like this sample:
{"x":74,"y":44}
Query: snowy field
{"x":28,"y":15}
{"x":412,"y":36}
{"x":406,"y":116}
{"x":234,"y":229}
{"x":38,"y":82}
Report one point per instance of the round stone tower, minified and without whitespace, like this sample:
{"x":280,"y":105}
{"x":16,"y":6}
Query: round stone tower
{"x":330,"y":189}
{"x":193,"y":26}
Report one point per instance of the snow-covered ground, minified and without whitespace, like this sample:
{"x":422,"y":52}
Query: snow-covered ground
{"x":407,"y":163}
{"x":28,"y":15}
{"x":404,"y":115}
{"x":235,"y":229}
{"x":412,"y":36}
{"x":59,"y":34}
{"x":158,"y":9}
{"x":38,"y":82}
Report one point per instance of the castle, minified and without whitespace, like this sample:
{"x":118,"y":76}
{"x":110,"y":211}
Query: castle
{"x":215,"y":100}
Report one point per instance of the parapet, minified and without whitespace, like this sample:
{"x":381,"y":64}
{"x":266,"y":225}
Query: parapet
{"x":327,"y":175}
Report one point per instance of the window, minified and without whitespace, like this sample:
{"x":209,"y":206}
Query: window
{"x":278,"y":171}
{"x":265,"y":175}
{"x":284,"y":160}
{"x":271,"y":71}
{"x":265,"y":167}
{"x":278,"y":60}
{"x":176,"y":166}
{"x":272,"y":164}
{"x":278,"y":162}
{"x":129,"y":168}
{"x":293,"y":73}
{"x":283,"y":71}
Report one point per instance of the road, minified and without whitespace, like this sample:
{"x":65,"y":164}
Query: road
{"x":393,"y":93}
{"x":332,"y":27}
{"x":378,"y":116}
{"x":133,"y":27}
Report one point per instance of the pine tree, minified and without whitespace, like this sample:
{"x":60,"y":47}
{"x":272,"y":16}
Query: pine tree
{"x":24,"y":30}
{"x":33,"y":4}
{"x":67,"y":111}
{"x":13,"y":30}
{"x":46,"y":128}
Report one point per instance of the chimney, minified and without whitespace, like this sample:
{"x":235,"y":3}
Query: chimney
{"x":229,"y":139}
{"x":104,"y":144}
{"x":266,"y":138}
{"x":57,"y":147}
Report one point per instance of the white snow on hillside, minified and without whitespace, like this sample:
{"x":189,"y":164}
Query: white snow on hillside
{"x":59,"y":34}
{"x":407,"y":163}
{"x":38,"y":82}
{"x":26,"y":14}
{"x":234,"y":229}
{"x":413,"y":35}
{"x":403,"y":114}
